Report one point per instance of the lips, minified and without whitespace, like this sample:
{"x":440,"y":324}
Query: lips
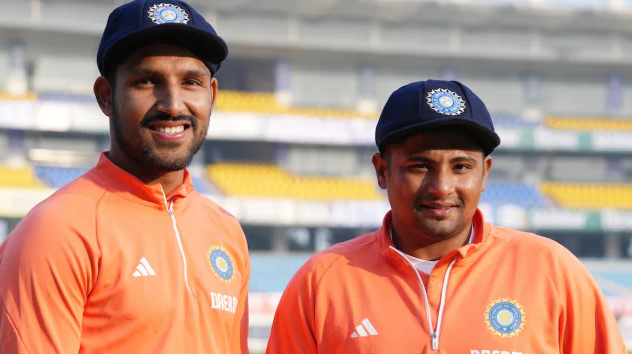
{"x":169,"y":127}
{"x":437,"y":209}
{"x":171,"y":130}
{"x":438,"y":205}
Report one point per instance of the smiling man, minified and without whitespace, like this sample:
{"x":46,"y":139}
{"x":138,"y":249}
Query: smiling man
{"x":436,"y":277}
{"x":128,"y":258}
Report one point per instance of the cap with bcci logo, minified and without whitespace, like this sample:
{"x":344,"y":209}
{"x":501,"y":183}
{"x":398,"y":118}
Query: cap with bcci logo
{"x":147,"y":21}
{"x":423,"y":105}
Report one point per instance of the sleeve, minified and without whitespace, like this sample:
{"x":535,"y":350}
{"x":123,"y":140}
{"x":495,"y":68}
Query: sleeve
{"x":239,"y":338}
{"x":587,"y":324}
{"x":293,"y":327}
{"x":46,"y":272}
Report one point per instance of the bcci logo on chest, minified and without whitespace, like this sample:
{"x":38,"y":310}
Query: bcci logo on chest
{"x":505,"y":318}
{"x":221,"y":263}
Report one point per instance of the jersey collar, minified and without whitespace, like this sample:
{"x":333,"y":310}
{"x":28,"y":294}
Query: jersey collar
{"x":481,"y":236}
{"x":128,"y":186}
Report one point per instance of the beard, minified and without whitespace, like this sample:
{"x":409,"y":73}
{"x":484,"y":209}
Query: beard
{"x":138,"y":149}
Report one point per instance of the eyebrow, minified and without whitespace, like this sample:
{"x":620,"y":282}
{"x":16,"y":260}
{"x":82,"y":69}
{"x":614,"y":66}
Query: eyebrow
{"x":453,"y":160}
{"x":464,"y":159}
{"x":196,"y":73}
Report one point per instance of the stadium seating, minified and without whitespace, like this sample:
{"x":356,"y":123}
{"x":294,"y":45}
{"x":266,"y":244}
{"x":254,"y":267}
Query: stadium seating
{"x":589,"y":196}
{"x":498,"y":193}
{"x":588,"y":124}
{"x":65,"y":97}
{"x":22,"y":177}
{"x":30,"y":96}
{"x":272,"y":181}
{"x":263,"y":102}
{"x":57,"y":177}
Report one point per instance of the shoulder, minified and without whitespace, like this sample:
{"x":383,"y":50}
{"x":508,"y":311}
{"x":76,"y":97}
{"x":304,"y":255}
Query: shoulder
{"x":334,"y":259}
{"x":544,"y":252}
{"x":57,"y":238}
{"x":214,"y":210}
{"x":66,"y":217}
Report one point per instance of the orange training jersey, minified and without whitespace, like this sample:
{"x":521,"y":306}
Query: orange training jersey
{"x":110,"y":265}
{"x":508,"y":292}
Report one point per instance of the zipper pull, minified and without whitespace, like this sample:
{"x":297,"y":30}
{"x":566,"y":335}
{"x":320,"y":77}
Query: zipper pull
{"x":435,"y":341}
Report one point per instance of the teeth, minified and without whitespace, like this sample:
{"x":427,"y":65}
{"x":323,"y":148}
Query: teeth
{"x":171,"y":130}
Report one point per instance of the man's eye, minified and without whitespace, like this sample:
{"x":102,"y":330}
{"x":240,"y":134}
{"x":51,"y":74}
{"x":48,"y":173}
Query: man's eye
{"x":144,"y":81}
{"x":193,"y":82}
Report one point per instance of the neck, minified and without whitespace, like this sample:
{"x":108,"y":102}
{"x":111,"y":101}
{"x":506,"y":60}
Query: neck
{"x":168,"y":180}
{"x":422,"y":247}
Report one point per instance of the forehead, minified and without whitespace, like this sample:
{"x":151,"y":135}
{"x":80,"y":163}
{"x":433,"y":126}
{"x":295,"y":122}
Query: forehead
{"x":446,"y":140}
{"x":168,"y":57}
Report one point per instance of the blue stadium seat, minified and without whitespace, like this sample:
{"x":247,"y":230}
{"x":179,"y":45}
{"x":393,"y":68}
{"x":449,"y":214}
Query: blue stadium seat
{"x":525,"y":195}
{"x":509,"y":121}
{"x":58,"y":177}
{"x":65,"y":97}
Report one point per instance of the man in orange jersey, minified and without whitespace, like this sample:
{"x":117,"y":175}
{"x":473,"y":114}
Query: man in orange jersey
{"x":437,"y":278}
{"x":128,"y":258}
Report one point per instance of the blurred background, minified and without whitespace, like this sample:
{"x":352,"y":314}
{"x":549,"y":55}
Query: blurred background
{"x":290,"y":141}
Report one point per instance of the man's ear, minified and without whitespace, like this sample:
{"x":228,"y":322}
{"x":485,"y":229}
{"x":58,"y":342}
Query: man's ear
{"x":487,"y":165}
{"x":379,"y":162}
{"x":103,"y":93}
{"x":214,"y":86}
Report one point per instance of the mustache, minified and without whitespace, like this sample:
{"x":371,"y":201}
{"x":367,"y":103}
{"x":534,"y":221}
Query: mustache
{"x":164,"y":117}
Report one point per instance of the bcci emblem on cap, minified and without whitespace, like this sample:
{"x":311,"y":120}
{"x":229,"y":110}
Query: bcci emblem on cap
{"x":505,"y":318}
{"x":446,"y":102}
{"x":167,"y":13}
{"x":221,"y":263}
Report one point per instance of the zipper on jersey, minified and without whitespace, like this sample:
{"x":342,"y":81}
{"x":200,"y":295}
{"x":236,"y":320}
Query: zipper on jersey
{"x":169,"y":206}
{"x":434,"y":334}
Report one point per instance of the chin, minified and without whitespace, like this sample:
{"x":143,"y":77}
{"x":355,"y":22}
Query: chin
{"x":441,"y":229}
{"x":168,"y":162}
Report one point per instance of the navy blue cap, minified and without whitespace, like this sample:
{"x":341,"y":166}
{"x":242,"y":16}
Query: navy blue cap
{"x":423,"y":105}
{"x":140,"y":22}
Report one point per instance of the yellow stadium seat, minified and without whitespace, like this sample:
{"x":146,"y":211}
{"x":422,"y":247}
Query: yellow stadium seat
{"x":588,"y":124}
{"x":273,"y":182}
{"x":589,"y":196}
{"x":22,"y":177}
{"x":30,"y":96}
{"x":263,"y":102}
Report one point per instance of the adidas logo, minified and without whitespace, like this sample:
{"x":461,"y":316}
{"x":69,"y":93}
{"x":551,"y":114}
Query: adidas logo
{"x":143,"y":269}
{"x":362,"y":329}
